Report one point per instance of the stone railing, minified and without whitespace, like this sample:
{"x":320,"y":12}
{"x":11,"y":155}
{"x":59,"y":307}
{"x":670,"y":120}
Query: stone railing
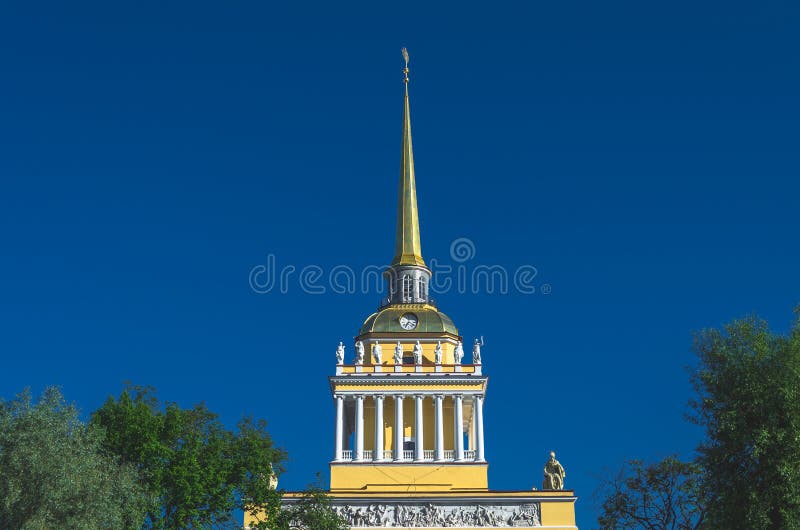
{"x":428,"y":455}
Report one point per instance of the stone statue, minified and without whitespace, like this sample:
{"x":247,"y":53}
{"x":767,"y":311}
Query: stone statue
{"x":359,"y":352}
{"x":398,"y":353}
{"x":553,"y":474}
{"x":437,"y":354}
{"x":476,"y":352}
{"x":459,"y":353}
{"x":417,"y":353}
{"x":270,"y":477}
{"x":377,"y":353}
{"x":340,"y":353}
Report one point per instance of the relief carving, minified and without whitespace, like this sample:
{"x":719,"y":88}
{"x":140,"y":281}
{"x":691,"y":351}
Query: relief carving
{"x":441,"y":516}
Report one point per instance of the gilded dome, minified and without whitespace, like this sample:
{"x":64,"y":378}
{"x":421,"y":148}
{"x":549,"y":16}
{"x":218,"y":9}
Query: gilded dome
{"x":428,"y":320}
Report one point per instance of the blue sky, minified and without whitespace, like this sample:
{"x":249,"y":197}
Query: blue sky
{"x":642,"y":157}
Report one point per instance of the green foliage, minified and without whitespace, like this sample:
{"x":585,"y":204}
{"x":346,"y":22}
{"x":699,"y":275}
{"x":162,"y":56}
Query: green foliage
{"x":53,"y":474}
{"x":311,"y":511}
{"x":660,"y":496}
{"x":198,"y":472}
{"x":747,"y":385}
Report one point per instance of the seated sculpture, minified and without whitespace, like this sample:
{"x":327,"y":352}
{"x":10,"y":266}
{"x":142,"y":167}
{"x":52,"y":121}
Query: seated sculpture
{"x":553,"y":474}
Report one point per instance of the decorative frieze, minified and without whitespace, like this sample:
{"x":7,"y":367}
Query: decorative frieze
{"x":429,"y":515}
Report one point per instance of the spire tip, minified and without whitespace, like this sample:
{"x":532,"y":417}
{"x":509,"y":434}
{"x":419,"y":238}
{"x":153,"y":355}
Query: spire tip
{"x":405,"y":70}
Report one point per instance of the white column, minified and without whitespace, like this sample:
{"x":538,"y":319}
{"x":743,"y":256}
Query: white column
{"x":377,"y":453}
{"x":419,"y":439}
{"x":437,"y":400}
{"x":471,"y":433}
{"x":339,"y":426}
{"x":398,"y":427}
{"x":479,"y":457}
{"x":458,"y":427}
{"x":359,"y":454}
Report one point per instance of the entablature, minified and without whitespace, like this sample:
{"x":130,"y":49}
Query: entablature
{"x":426,"y":385}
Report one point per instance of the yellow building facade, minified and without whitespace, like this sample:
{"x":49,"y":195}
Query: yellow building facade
{"x":409,"y":446}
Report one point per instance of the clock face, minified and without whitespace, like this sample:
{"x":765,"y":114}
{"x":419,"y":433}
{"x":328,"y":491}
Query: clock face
{"x":408,"y":321}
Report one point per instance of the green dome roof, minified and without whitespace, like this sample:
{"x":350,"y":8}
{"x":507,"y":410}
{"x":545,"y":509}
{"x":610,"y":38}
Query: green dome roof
{"x":387,"y":320}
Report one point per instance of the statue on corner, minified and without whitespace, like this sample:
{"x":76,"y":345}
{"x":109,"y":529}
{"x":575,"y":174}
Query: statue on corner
{"x":359,"y":352}
{"x":476,"y":352}
{"x":340,"y":353}
{"x":553,"y":474}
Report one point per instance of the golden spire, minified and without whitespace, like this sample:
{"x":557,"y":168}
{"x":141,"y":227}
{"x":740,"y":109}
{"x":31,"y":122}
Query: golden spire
{"x":408,"y":250}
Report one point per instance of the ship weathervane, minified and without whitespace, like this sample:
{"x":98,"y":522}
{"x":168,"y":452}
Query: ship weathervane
{"x":405,"y":58}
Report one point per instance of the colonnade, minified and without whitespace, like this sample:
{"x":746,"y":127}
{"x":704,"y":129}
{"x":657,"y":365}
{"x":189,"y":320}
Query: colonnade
{"x":398,"y":454}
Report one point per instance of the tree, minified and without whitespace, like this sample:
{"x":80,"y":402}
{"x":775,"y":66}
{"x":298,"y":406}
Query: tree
{"x":748,"y":400}
{"x":660,"y":496}
{"x":198,"y":472}
{"x":53,"y":474}
{"x":311,"y":511}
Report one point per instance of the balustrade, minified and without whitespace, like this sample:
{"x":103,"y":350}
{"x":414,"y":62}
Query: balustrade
{"x":470,"y":455}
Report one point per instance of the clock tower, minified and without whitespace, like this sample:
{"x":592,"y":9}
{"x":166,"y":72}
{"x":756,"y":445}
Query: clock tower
{"x":408,"y":447}
{"x":409,"y":406}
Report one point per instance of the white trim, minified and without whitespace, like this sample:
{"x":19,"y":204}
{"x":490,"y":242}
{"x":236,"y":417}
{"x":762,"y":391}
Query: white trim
{"x":405,"y":378}
{"x":454,"y":499}
{"x":410,"y":339}
{"x":408,"y":393}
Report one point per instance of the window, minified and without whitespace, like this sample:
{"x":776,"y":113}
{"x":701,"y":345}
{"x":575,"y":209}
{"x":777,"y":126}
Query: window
{"x":406,"y":288}
{"x":423,"y":288}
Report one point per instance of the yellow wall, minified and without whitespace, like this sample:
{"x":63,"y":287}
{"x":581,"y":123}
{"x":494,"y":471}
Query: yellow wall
{"x":449,"y":409}
{"x":558,"y":514}
{"x":409,"y":477}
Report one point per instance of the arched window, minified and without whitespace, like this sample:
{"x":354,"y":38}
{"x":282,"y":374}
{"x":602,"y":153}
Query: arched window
{"x":407,"y":288}
{"x":423,"y":289}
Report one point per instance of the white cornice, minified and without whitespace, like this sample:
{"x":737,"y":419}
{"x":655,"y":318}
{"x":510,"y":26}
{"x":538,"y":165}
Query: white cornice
{"x":407,"y":377}
{"x":453,"y":498}
{"x":400,"y":382}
